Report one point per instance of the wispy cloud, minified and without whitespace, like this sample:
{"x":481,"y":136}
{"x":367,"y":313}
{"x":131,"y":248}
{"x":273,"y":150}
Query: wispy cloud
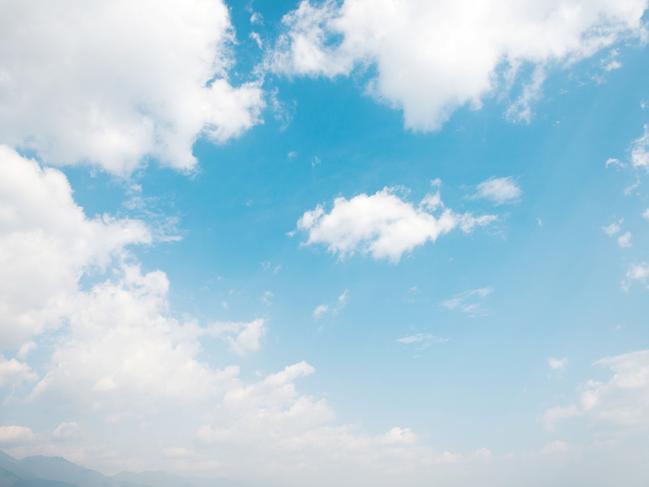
{"x":421,"y":341}
{"x":322,"y":310}
{"x":469,"y":302}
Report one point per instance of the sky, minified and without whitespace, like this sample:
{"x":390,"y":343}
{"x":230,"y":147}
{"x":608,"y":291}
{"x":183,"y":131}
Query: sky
{"x":388,"y":242}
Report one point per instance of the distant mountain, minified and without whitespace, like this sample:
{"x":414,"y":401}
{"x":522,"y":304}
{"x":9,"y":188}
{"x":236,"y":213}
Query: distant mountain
{"x":57,"y":468}
{"x":42,"y":471}
{"x":162,"y":479}
{"x":9,"y":478}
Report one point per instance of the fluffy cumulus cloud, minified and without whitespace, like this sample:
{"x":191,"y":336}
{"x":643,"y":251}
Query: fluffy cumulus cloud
{"x":383,"y":224}
{"x":47,"y":243}
{"x":428,"y":58}
{"x":621,"y":400}
{"x":499,"y":190}
{"x":637,"y":273}
{"x":124,"y":353}
{"x":109,"y":83}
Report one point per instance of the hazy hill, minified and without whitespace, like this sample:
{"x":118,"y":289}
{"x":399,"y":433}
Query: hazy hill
{"x":42,"y":471}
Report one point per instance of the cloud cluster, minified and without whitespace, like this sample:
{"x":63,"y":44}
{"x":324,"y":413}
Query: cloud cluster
{"x":429,"y":58}
{"x":622,"y":399}
{"x":383,"y":224}
{"x":46,"y":244}
{"x":125,"y":362}
{"x":111,"y":83}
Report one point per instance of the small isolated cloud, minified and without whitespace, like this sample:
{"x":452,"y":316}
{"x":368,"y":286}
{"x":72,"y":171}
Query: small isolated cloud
{"x":645,"y":214}
{"x":611,"y":61}
{"x":614,"y":162}
{"x":637,"y":273}
{"x":640,"y":150}
{"x":468,"y":302}
{"x":613,"y":228}
{"x":421,"y":340}
{"x":257,"y":39}
{"x":499,"y":190}
{"x":624,"y":240}
{"x":383,"y":224}
{"x":556,"y":363}
{"x":15,"y":435}
{"x":322,"y":310}
{"x":271,"y":267}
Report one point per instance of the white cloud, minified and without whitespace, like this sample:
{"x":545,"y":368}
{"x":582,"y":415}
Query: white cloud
{"x":637,"y":273}
{"x":125,"y":362}
{"x":421,"y":340}
{"x":257,"y":39}
{"x":556,"y":363}
{"x":323,"y":309}
{"x":640,"y":150}
{"x":621,"y":400}
{"x":469,"y":302}
{"x":383,"y":225}
{"x":624,"y":240}
{"x":614,"y":228}
{"x":123,"y":352}
{"x":14,"y":372}
{"x":111,"y":83}
{"x":320,"y":311}
{"x":429,"y":58}
{"x":521,"y":109}
{"x":242,"y":338}
{"x":15,"y":435}
{"x":46,"y":244}
{"x":614,"y":162}
{"x":499,"y":190}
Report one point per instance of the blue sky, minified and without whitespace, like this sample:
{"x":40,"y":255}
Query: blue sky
{"x":451,"y":356}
